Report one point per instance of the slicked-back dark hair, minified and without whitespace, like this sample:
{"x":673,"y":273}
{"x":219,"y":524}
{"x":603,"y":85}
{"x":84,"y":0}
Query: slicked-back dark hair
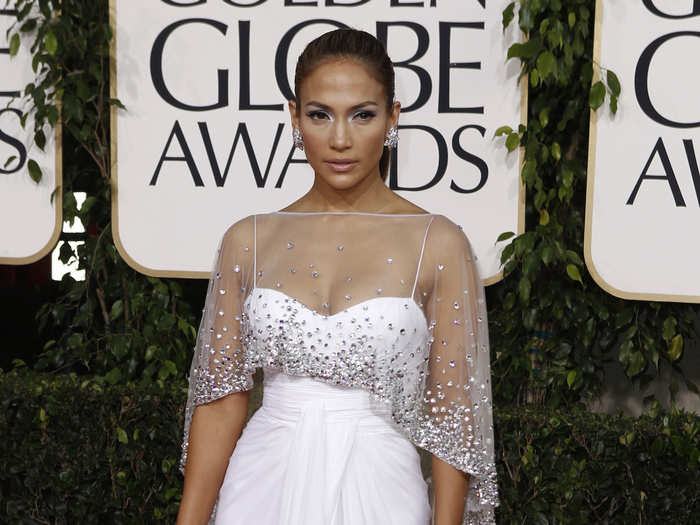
{"x":352,"y":44}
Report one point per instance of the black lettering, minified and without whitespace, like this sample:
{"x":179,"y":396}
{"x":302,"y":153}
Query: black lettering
{"x":649,"y":4}
{"x":231,"y":2}
{"x":669,"y":176}
{"x":693,"y":165}
{"x":289,"y":3}
{"x":333,"y":3}
{"x":186,"y":156}
{"x":399,"y":3}
{"x":241,"y":132}
{"x":185,"y":4}
{"x":157,"y":67}
{"x":290,"y":160}
{"x":244,"y":77}
{"x":426,"y":83}
{"x":14,"y":143}
{"x":442,"y":161}
{"x":446,"y":65}
{"x":282,"y":55}
{"x":470,"y":158}
{"x":6,"y":51}
{"x":641,"y":81}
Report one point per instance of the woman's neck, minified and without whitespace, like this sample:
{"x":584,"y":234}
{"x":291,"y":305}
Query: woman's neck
{"x":371,"y":196}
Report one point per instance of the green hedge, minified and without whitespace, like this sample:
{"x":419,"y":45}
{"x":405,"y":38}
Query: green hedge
{"x":75,"y":450}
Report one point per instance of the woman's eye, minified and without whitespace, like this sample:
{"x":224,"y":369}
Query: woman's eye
{"x":317,"y":115}
{"x":364,"y":115}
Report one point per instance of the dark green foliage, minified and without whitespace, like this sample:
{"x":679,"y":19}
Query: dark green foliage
{"x":581,"y":468}
{"x":76,"y":450}
{"x":73,"y":450}
{"x":552,"y":328}
{"x":118,"y":322}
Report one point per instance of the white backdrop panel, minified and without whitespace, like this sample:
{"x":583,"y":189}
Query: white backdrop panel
{"x":29,"y":222}
{"x":234,"y":59}
{"x":643,"y":210}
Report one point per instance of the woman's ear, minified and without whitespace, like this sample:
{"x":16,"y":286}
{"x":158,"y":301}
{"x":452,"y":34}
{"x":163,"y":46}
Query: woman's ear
{"x":293,"y":113}
{"x":395,"y":110}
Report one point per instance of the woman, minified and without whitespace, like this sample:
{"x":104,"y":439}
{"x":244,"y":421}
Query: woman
{"x":367,"y":316}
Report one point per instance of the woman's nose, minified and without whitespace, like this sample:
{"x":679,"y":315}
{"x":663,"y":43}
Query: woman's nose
{"x":340,"y":136}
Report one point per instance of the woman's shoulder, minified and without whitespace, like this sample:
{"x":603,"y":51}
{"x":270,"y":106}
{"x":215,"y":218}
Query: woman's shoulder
{"x":242,"y":230}
{"x":446,"y":235}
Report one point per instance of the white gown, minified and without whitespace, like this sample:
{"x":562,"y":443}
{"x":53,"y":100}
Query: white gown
{"x":371,"y":332}
{"x":319,"y":454}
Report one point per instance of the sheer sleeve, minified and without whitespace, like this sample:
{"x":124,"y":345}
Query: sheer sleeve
{"x":220,"y":366}
{"x":457,"y":398}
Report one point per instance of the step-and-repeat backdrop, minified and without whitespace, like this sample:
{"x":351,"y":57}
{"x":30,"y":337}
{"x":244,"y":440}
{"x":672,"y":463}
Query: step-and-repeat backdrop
{"x":30,"y":221}
{"x":205,"y":138}
{"x":643,"y":203}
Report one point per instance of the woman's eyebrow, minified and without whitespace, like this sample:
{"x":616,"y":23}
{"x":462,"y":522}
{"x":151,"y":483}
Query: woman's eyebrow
{"x":327,"y":108}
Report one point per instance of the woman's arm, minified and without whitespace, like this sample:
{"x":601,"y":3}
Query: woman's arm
{"x":450,"y":488}
{"x":215,"y":429}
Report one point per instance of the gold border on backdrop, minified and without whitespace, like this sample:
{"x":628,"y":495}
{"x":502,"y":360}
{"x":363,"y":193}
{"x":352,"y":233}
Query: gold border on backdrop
{"x":114,"y":167}
{"x":524,"y":86}
{"x":205,"y":275}
{"x":593,"y":130}
{"x":58,"y":202}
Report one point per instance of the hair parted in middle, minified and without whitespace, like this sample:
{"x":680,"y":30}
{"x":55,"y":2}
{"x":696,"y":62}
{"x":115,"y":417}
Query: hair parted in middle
{"x":357,"y":45}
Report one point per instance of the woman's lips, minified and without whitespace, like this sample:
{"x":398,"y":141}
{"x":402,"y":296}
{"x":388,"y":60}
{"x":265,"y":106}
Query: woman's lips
{"x":341,"y":165}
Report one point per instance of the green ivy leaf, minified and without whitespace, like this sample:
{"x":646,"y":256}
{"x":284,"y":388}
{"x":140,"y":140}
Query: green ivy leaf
{"x":503,"y":130}
{"x":121,"y":435}
{"x":512,"y":141}
{"x":669,"y":328}
{"x":547,"y":254}
{"x":507,"y":253}
{"x":572,"y":19}
{"x":524,"y":287}
{"x":637,"y":364}
{"x":9,"y":160}
{"x":545,"y":64}
{"x":150,"y":352}
{"x":544,"y":217}
{"x":505,"y":236}
{"x":113,"y":376}
{"x":568,"y":178}
{"x":573,"y":272}
{"x":14,"y":44}
{"x":117,"y":310}
{"x":508,"y":15}
{"x":613,"y":83}
{"x":28,"y":26}
{"x":597,"y":95}
{"x":556,"y":151}
{"x":613,"y":104}
{"x":675,"y":350}
{"x":571,"y":378}
{"x":34,"y":170}
{"x":40,"y":139}
{"x":544,"y":117}
{"x":117,"y":102}
{"x":50,"y":43}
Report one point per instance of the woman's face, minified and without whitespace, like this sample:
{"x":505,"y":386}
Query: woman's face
{"x":344,"y":120}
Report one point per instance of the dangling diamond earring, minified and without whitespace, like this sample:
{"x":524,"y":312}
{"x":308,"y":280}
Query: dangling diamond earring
{"x":298,"y":139}
{"x":392,"y":138}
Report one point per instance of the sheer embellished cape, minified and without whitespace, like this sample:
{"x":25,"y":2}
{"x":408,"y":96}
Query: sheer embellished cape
{"x":433,"y":370}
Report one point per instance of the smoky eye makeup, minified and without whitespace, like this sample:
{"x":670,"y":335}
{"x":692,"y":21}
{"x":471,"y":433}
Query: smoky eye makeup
{"x":317,"y":114}
{"x":365,"y":114}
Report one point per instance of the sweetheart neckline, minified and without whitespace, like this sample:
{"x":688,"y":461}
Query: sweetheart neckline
{"x":345,"y":310}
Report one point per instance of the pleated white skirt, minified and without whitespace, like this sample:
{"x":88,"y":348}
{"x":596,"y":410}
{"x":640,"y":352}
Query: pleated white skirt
{"x":317,"y":454}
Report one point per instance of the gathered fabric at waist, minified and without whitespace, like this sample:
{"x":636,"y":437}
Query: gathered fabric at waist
{"x":286,"y":398}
